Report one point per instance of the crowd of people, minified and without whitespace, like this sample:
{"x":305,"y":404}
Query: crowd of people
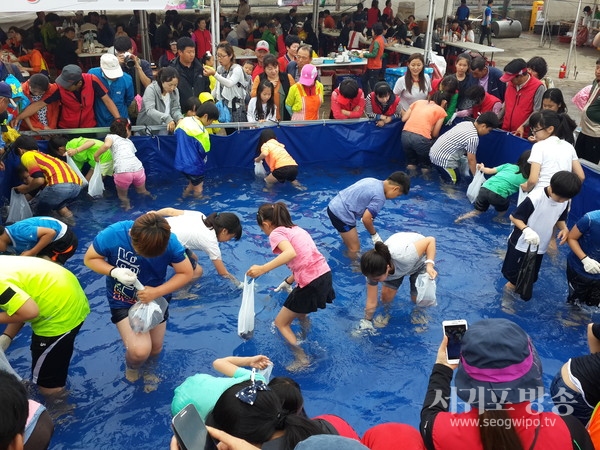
{"x":188,"y":95}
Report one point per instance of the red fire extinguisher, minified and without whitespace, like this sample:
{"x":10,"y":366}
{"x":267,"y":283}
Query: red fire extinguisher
{"x":563,"y":71}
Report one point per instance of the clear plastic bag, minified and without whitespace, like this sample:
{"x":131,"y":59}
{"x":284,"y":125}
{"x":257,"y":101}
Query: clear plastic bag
{"x":73,"y":166}
{"x":246,"y":315}
{"x":475,"y":185}
{"x":259,"y":170}
{"x":96,"y":186}
{"x":426,"y":288}
{"x":145,"y":316}
{"x":19,"y":208}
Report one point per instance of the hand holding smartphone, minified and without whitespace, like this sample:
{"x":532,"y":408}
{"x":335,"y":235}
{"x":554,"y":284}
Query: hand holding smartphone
{"x":455,"y":330}
{"x":190,"y":431}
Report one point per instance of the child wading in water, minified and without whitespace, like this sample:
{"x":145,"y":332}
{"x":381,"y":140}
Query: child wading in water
{"x":282,"y":166}
{"x":295,"y":248}
{"x":128,"y":169}
{"x":496,"y":190}
{"x":193,"y":143}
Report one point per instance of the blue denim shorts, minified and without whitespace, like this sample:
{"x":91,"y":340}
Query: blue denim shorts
{"x":569,"y":401}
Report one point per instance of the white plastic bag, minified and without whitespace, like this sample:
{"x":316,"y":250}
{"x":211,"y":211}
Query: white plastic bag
{"x":473,"y":189}
{"x":73,"y":166}
{"x":522,"y":196}
{"x":96,"y":186}
{"x":426,"y":288}
{"x":246,"y":315}
{"x":145,"y":316}
{"x":19,"y":208}
{"x":259,"y":170}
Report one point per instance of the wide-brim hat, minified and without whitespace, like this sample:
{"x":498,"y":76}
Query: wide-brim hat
{"x":498,"y":364}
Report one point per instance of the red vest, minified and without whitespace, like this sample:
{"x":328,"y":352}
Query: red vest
{"x":391,"y":108}
{"x":519,"y":105}
{"x":488,"y":103}
{"x":76,"y":114}
{"x":375,"y":62}
{"x":452,"y":431}
{"x":52,"y":109}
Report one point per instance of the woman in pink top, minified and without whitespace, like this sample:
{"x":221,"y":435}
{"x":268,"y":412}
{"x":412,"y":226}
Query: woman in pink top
{"x":282,"y":166}
{"x":314,"y":289}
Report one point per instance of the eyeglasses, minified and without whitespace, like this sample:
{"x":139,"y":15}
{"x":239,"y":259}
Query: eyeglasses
{"x":538,"y":130}
{"x":222,"y":56}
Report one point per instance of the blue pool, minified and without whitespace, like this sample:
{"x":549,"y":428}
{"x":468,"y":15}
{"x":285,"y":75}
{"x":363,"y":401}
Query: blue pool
{"x":365,"y":379}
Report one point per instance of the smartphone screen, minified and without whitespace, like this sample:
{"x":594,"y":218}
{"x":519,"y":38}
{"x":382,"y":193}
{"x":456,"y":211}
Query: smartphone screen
{"x":190,"y":431}
{"x":455,"y":334}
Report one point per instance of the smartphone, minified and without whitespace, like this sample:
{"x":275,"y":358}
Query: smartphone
{"x":455,"y":330}
{"x":190,"y":431}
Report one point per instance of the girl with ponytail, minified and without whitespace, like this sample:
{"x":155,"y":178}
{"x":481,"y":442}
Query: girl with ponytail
{"x":388,"y":263}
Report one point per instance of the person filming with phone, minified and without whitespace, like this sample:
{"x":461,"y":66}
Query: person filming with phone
{"x":500,"y":375}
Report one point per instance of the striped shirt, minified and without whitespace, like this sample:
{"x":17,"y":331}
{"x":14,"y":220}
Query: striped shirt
{"x":450,"y":146}
{"x":55,"y":170}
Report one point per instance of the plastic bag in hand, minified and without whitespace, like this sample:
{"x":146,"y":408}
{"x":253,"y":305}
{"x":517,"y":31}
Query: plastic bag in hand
{"x":426,"y":288}
{"x":73,"y":166}
{"x":96,"y":186}
{"x":145,"y":316}
{"x":259,"y":170}
{"x":19,"y":208}
{"x":475,"y":186}
{"x":246,"y":314}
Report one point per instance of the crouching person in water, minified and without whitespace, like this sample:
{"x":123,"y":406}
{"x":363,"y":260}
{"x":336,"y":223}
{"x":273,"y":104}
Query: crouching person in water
{"x":388,"y":263}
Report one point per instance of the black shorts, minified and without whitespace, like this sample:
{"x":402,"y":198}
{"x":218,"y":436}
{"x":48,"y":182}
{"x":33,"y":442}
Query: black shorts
{"x":487,"y":198}
{"x":285,"y":173}
{"x":396,"y":283}
{"x":192,"y":257}
{"x":582,"y":289}
{"x":50,"y":358}
{"x":118,"y":314}
{"x":315,"y":295}
{"x":195,"y":179}
{"x":338,"y":224}
{"x":62,"y":249}
{"x":512,"y":263}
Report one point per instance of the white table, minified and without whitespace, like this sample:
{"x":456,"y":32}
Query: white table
{"x":475,"y":47}
{"x":242,"y":54}
{"x":362,"y":62}
{"x":405,"y":49}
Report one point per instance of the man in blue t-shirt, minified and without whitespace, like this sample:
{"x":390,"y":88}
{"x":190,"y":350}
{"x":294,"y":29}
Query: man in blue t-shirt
{"x":41,"y":236}
{"x":363,"y":201}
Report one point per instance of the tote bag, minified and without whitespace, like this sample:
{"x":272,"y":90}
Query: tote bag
{"x":246,"y":314}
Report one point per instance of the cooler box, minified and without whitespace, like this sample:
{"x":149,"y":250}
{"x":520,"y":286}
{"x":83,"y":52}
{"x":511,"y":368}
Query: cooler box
{"x":392,"y":74}
{"x":339,"y":78}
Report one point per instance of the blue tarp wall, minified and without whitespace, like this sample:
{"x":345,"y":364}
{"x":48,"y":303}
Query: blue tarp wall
{"x":347,"y":145}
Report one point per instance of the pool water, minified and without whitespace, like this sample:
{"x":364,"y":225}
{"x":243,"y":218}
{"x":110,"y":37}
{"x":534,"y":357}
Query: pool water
{"x":366,"y":378}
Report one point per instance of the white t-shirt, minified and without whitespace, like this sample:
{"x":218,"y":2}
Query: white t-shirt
{"x":123,"y":151}
{"x":404,"y":254}
{"x":407,"y":97}
{"x":252,"y":111}
{"x":553,"y":155}
{"x":193,"y":234}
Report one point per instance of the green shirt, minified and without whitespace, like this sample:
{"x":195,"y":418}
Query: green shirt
{"x":506,"y":181}
{"x":56,"y":291}
{"x":87,"y":156}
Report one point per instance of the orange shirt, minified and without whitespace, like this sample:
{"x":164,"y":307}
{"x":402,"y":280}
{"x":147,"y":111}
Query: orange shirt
{"x":276,"y":155}
{"x":36,"y":61}
{"x":424,"y":115}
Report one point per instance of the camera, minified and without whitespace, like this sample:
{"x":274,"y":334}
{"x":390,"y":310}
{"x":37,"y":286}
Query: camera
{"x":129,"y":60}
